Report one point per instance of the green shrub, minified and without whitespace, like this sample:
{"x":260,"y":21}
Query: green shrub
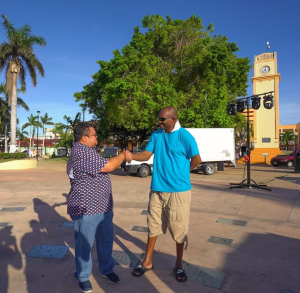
{"x":17,"y":156}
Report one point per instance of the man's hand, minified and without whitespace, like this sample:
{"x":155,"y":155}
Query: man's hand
{"x":128,"y":156}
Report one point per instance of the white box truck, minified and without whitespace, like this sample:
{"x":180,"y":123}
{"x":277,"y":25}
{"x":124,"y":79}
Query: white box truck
{"x":216,"y":146}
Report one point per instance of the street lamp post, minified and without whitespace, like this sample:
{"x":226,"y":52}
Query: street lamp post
{"x":37,"y":136}
{"x":205,"y":96}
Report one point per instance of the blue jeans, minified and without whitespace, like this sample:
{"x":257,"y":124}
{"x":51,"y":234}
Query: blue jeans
{"x":86,"y":229}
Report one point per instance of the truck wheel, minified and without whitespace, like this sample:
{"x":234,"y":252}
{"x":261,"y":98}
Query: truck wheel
{"x":208,"y":169}
{"x":144,"y":171}
{"x":290,"y":164}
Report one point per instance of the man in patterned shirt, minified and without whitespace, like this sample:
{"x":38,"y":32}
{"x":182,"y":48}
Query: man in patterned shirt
{"x":90,"y":205}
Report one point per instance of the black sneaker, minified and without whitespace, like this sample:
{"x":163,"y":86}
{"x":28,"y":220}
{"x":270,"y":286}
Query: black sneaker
{"x":85,"y":286}
{"x":112,"y":278}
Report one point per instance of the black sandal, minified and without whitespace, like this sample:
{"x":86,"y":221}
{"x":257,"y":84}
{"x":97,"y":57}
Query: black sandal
{"x":180,"y":275}
{"x":141,"y":270}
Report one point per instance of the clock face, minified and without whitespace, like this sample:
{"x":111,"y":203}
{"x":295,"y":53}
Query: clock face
{"x":265,"y":69}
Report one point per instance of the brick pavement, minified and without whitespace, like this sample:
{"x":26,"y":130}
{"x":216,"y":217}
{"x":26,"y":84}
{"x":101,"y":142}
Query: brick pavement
{"x":263,"y":256}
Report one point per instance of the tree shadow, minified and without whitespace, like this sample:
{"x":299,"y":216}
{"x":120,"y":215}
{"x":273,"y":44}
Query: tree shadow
{"x":9,"y":256}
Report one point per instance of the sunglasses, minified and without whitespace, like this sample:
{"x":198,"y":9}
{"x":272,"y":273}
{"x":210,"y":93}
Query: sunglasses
{"x":164,"y":118}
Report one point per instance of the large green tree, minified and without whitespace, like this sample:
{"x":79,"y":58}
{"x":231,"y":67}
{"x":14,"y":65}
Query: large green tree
{"x":172,"y":62}
{"x":17,"y":59}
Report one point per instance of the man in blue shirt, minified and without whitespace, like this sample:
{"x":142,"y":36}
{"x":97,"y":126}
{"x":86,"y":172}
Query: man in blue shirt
{"x":176,"y":154}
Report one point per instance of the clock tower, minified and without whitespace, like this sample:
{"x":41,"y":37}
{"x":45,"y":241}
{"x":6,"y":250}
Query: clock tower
{"x":266,"y":121}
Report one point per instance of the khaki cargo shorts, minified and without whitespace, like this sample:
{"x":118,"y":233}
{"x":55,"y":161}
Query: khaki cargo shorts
{"x":169,"y":210}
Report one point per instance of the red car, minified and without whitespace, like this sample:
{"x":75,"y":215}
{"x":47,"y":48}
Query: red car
{"x":285,"y":158}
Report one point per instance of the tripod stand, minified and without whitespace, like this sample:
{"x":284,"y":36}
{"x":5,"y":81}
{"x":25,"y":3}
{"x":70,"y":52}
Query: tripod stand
{"x":248,"y":182}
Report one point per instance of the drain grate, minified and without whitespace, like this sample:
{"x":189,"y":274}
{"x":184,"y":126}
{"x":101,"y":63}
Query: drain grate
{"x":232,"y":222}
{"x":67,"y":224}
{"x":48,"y":251}
{"x":13,"y":209}
{"x":205,"y":276}
{"x":140,"y":229}
{"x":3,"y":225}
{"x":144,"y":212}
{"x":126,"y":258}
{"x":220,"y":240}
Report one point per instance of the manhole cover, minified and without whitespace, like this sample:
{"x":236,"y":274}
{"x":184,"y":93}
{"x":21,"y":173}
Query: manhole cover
{"x":13,"y":209}
{"x":67,"y":224}
{"x":144,"y":212}
{"x":140,"y":229}
{"x":3,"y":225}
{"x":205,"y":276}
{"x":220,"y":240}
{"x":126,"y":258}
{"x":48,"y":251}
{"x":232,"y":222}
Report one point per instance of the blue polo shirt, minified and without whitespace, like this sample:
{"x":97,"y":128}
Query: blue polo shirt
{"x":171,"y":163}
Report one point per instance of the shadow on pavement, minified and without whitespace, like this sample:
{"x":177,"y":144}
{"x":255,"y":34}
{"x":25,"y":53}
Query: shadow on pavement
{"x":9,"y":256}
{"x":263,"y":263}
{"x":46,"y":231}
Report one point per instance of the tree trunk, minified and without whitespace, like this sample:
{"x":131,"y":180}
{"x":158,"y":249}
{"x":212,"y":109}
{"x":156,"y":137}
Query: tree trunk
{"x":13,"y":117}
{"x":29,"y":147}
{"x":5,"y":138}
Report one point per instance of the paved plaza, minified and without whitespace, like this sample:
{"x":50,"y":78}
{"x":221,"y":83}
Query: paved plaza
{"x":240,"y":240}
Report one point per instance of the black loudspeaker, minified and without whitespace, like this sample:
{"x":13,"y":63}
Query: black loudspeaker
{"x":268,"y":102}
{"x":255,"y":102}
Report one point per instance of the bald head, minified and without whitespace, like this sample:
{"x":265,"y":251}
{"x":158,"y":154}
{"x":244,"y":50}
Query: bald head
{"x":169,"y":111}
{"x":167,"y":118}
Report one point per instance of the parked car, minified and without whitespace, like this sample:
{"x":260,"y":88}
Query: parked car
{"x":285,"y":158}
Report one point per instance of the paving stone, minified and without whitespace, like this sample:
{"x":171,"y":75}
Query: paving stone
{"x":144,"y":212}
{"x":232,"y":222}
{"x":126,"y":258}
{"x":140,"y":229}
{"x":202,"y":275}
{"x":67,"y":224}
{"x":13,"y":209}
{"x":48,"y":251}
{"x":3,"y":225}
{"x":220,"y":240}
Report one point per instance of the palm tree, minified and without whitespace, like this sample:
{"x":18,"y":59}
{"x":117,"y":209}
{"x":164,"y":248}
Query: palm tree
{"x":21,"y":136}
{"x":17,"y":58}
{"x":287,"y":137}
{"x":66,"y":137}
{"x":32,"y":123}
{"x":5,"y":112}
{"x":45,"y":121}
{"x":73,"y":122}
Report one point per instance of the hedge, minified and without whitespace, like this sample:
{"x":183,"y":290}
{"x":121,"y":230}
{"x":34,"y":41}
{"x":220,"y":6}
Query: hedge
{"x":16,"y":156}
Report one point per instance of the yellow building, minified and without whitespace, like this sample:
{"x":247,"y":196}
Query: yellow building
{"x":265,"y":121}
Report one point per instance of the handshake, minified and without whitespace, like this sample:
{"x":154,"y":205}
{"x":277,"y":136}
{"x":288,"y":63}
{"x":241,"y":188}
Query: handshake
{"x":128,"y":156}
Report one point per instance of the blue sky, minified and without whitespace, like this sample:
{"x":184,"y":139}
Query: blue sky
{"x":78,"y":33}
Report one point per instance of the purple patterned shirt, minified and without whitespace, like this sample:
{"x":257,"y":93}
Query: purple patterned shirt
{"x":90,"y":192}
